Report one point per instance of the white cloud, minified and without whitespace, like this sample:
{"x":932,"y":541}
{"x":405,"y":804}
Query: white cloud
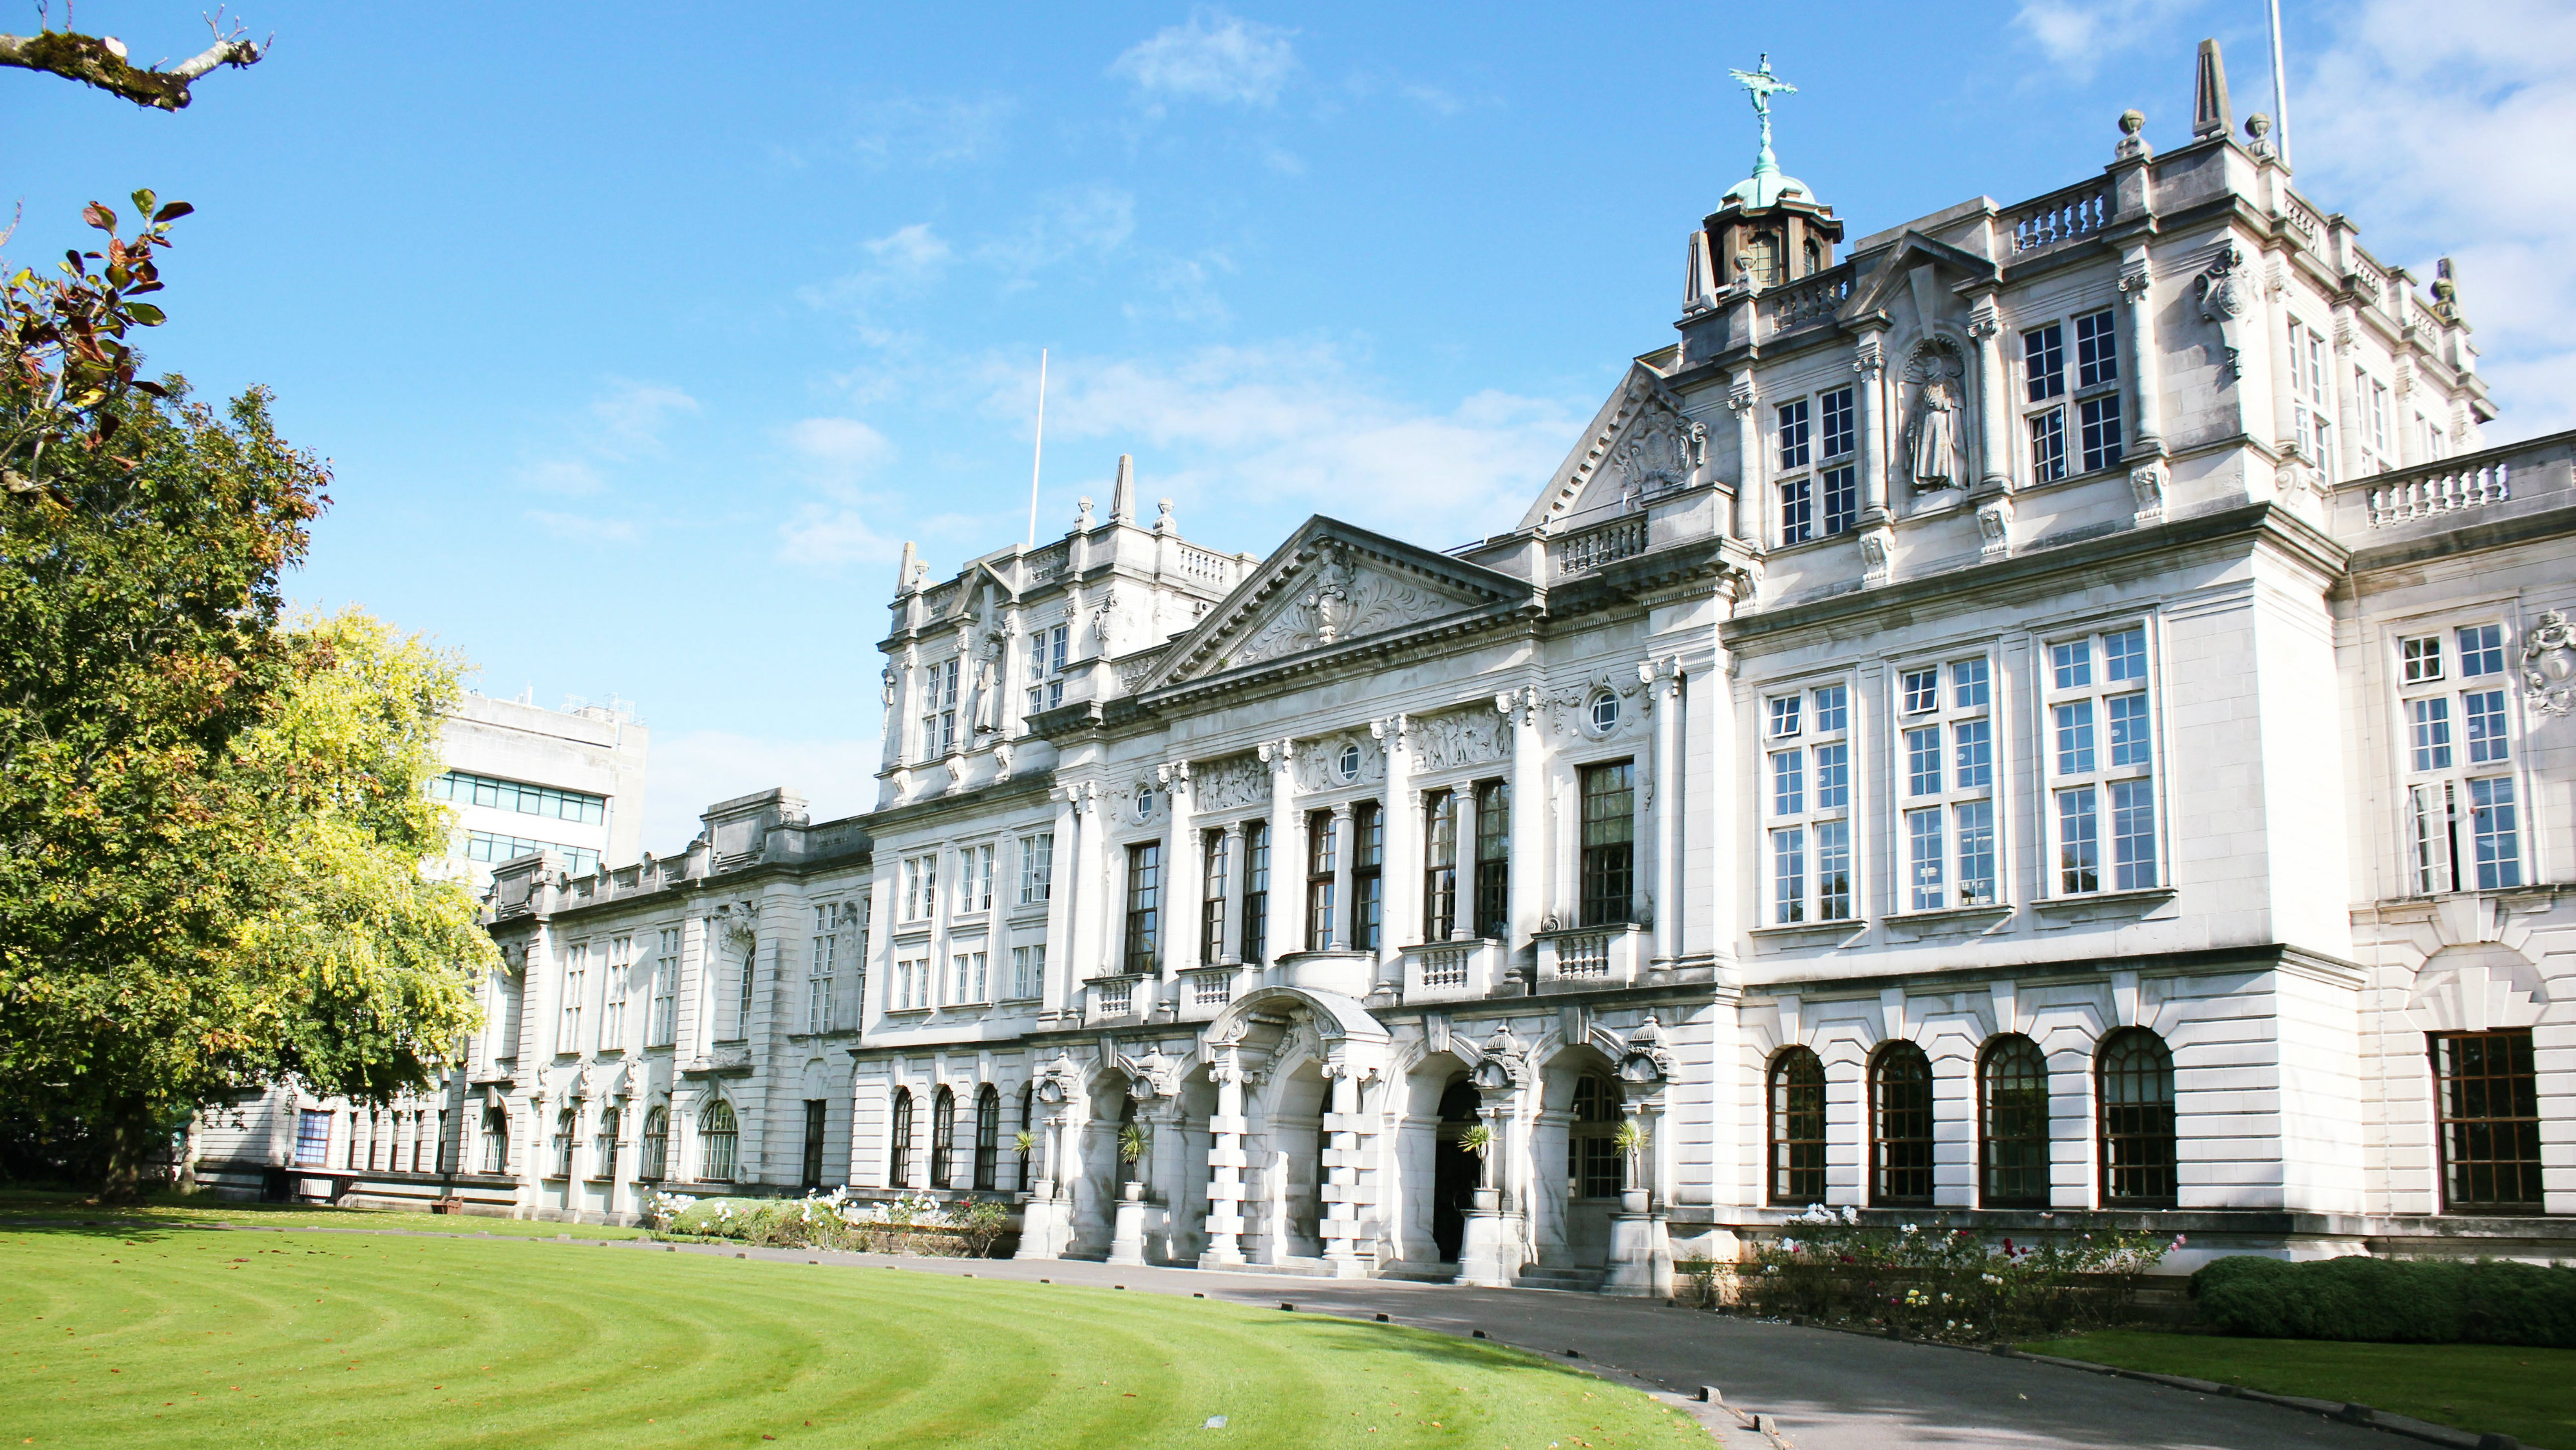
{"x":570,"y":477}
{"x":822,"y":536}
{"x":903,"y":262}
{"x":585,"y":528}
{"x":933,"y":131}
{"x":1086,"y":221}
{"x":630,"y":416}
{"x":1215,"y":57}
{"x":845,"y":445}
{"x":688,"y":771}
{"x":2078,"y":35}
{"x":837,"y":455}
{"x":2428,"y":136}
{"x":1268,"y":435}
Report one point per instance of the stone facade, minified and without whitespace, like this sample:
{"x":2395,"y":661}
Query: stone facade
{"x":2050,"y":711}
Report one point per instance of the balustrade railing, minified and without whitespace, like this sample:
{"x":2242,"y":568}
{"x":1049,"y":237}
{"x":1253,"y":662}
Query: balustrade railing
{"x":2078,"y":211}
{"x":1811,"y":300}
{"x":2439,"y":492}
{"x":1601,"y":545}
{"x":1205,"y":565}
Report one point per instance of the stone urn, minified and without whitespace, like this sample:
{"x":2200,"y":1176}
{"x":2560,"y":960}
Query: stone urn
{"x":1485,"y":1200}
{"x":1633,"y":1200}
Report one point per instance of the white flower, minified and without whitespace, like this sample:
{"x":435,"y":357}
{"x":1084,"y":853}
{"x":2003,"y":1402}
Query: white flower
{"x":1850,"y":1214}
{"x":1908,"y":1228}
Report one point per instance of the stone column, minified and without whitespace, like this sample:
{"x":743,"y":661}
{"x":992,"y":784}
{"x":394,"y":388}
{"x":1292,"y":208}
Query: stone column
{"x":1663,"y":682}
{"x":1400,"y":872}
{"x":1480,"y":1243}
{"x":2346,"y":464}
{"x":1238,"y":865}
{"x":1463,"y":926}
{"x":1641,"y":1254}
{"x":1287,"y":853}
{"x":1869,"y":361}
{"x":1529,"y":815}
{"x":2146,"y":379}
{"x":1747,"y":526}
{"x":1225,"y":1166}
{"x":1341,"y":1226}
{"x":1337,"y":931}
{"x":1086,"y":911}
{"x":1182,"y":872}
{"x":1057,"y":990}
{"x":1994,"y":426}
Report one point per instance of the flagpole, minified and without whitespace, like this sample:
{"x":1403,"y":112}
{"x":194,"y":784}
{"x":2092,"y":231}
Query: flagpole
{"x":1037,"y":455}
{"x":2280,"y":88}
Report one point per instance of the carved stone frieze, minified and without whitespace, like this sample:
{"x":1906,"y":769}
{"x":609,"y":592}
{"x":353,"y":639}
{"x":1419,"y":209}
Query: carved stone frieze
{"x":1458,"y":738}
{"x":1230,"y":784}
{"x":1338,"y":600}
{"x":2549,"y":666}
{"x":1318,"y":763}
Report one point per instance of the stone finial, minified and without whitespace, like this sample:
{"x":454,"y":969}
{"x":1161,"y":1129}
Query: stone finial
{"x":2209,"y":93}
{"x":1122,"y":498}
{"x":2132,"y":143}
{"x":2258,"y":136}
{"x":1164,"y":523}
{"x":903,"y":580}
{"x":1082,"y":514}
{"x":2446,"y":291}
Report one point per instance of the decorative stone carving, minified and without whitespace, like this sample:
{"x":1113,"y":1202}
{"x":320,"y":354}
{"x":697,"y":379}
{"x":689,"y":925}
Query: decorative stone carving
{"x":1570,"y":709}
{"x":1933,"y":375}
{"x":1504,"y":1064}
{"x":1647,"y":1062}
{"x":1230,"y":784}
{"x":1994,"y":527}
{"x":1458,"y":738}
{"x":2222,"y":301}
{"x":2549,"y":666}
{"x":2147,"y":483}
{"x":1317,"y":763}
{"x":1660,"y":449}
{"x":1339,"y":602}
{"x":2133,"y":142}
{"x":1877,"y":548}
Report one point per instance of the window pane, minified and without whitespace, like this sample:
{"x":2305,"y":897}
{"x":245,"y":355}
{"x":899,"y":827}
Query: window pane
{"x":1833,"y":871}
{"x":2075,"y":738}
{"x":1833,"y":776}
{"x":1840,"y":436}
{"x":2048,"y":446}
{"x":2429,"y":732}
{"x":2079,"y":856}
{"x":2013,"y":1143}
{"x":1923,"y":858}
{"x":1793,"y":434}
{"x":2481,"y":651}
{"x":1789,"y":875}
{"x":1784,"y":717}
{"x":1788,"y":783}
{"x":1797,"y":1128}
{"x":2422,"y":659}
{"x":1901,"y":1126}
{"x":1974,"y":742}
{"x":1833,"y":709}
{"x":2133,"y":835}
{"x":1842,"y":499}
{"x":1968,"y":684}
{"x":1797,"y":512}
{"x":2124,"y":656}
{"x":2128,"y":728}
{"x":2482,"y":711}
{"x":2043,"y":355}
{"x":2101,"y":423}
{"x":1923,"y":761}
{"x":2097,"y":354}
{"x":1922,"y":691}
{"x":2488,"y":1096}
{"x":2071,"y":664}
{"x":2491,"y":815}
{"x":1976,"y":826}
{"x":2135,"y":1091}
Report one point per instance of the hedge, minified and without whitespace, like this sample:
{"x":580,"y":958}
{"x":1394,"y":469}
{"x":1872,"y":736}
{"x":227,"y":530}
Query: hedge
{"x":2391,"y":1301}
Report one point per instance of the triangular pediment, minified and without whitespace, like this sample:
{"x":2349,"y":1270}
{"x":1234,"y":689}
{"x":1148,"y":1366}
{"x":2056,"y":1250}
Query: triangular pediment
{"x":1894,"y":272}
{"x":1330,"y":585}
{"x":1639,"y":443}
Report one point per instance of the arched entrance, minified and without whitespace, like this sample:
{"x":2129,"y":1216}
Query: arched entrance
{"x":1454,"y":1170}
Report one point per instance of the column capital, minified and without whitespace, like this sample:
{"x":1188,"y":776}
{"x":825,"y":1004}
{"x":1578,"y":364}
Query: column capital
{"x":1869,"y":355}
{"x":1173,"y":776}
{"x":1740,"y":394}
{"x":1342,"y":811}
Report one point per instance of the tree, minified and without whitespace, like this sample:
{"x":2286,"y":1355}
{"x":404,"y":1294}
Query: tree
{"x":211,"y":823}
{"x":99,"y":60}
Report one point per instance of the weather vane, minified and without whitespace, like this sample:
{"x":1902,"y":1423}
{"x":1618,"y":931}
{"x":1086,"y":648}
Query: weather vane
{"x":1763,"y":85}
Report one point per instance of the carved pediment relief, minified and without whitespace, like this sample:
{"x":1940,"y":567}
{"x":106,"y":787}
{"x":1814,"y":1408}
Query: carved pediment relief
{"x":1323,"y":590}
{"x":1640,"y":443}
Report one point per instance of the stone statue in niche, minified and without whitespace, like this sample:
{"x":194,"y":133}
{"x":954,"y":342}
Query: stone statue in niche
{"x":1932,"y":433}
{"x":2222,"y":302}
{"x":986,"y":705}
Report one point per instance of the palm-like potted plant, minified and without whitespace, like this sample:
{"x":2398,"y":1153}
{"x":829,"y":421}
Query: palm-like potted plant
{"x":1132,"y":1147}
{"x":1631,"y":1140}
{"x":1478,"y":1142}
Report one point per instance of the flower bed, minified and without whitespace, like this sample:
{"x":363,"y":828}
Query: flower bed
{"x":911,"y":1224}
{"x":1935,"y":1284}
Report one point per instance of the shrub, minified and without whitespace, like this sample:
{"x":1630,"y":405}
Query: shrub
{"x":2391,"y":1301}
{"x":1945,"y":1284}
{"x":911,"y":1224}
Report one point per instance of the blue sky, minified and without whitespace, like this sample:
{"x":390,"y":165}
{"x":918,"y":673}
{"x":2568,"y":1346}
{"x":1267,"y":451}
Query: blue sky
{"x":641,"y":337}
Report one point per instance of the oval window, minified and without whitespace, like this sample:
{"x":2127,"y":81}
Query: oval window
{"x":1605,"y":712}
{"x":1349,"y":764}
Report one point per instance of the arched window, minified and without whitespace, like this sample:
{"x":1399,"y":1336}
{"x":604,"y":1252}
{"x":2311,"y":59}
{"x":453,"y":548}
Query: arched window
{"x":2012,"y":1143}
{"x":943,"y":1134}
{"x":1900,"y":1127}
{"x":988,"y":1136}
{"x":1797,"y":1127}
{"x":899,"y":1142}
{"x":496,"y":1140}
{"x":1029,"y":1126}
{"x":1591,"y":1146}
{"x":2137,"y":1129}
{"x":717,"y":1135}
{"x":610,"y":1121}
{"x":566,"y":1123}
{"x":657,"y":1144}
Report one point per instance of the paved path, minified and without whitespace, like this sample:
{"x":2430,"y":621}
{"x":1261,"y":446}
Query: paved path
{"x":1822,"y":1389}
{"x":1829,"y":1390}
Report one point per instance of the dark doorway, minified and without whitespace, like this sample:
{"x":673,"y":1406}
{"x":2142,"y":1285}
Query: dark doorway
{"x":1453,"y":1170}
{"x":814,"y":1142}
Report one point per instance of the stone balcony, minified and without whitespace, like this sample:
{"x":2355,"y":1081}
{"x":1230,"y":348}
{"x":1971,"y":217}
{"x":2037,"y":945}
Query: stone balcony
{"x":1455,"y":971}
{"x":1123,"y":998}
{"x":1586,"y":959}
{"x":1344,"y":973}
{"x":1205,"y":991}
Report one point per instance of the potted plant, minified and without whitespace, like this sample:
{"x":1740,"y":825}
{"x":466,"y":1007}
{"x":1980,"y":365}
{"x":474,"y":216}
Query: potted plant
{"x":1478,"y":1142}
{"x":1131,"y":1151}
{"x":1631,"y":1141}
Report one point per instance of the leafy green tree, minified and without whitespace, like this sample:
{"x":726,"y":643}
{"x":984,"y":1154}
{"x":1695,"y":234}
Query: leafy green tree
{"x":211,"y":824}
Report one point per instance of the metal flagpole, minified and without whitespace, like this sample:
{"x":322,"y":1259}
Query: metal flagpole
{"x":1038,"y":454}
{"x":2280,"y":88}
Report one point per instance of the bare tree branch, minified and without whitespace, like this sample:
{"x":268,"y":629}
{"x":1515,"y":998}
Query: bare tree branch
{"x":100,"y":61}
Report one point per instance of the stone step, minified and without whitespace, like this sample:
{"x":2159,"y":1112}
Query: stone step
{"x":1578,"y":1281}
{"x":1291,"y":1267}
{"x":1419,"y":1271}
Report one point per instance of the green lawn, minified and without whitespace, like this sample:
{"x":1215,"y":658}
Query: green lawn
{"x":2529,"y":1394}
{"x":28,"y":1203}
{"x":175,"y":1337}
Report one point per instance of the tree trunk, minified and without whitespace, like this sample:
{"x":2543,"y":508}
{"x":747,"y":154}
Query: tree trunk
{"x":131,"y":1132}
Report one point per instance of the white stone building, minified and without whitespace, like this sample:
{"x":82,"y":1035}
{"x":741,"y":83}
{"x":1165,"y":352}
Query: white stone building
{"x":523,"y":780}
{"x":2044,"y":709}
